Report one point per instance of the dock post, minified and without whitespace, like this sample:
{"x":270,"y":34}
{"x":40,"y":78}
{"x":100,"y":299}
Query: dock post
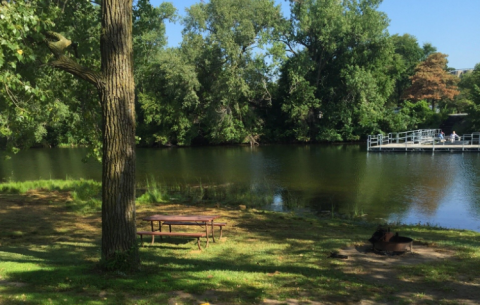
{"x":397,"y":138}
{"x":433,"y":141}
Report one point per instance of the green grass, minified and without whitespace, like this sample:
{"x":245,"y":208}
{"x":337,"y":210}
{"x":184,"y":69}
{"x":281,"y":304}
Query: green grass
{"x":86,"y":194}
{"x":244,"y":268}
{"x":21,"y":187}
{"x":154,"y":193}
{"x":49,"y":254}
{"x":265,"y":262}
{"x":256,"y":195}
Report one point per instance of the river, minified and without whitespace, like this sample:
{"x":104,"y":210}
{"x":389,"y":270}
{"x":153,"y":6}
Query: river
{"x":438,"y":189}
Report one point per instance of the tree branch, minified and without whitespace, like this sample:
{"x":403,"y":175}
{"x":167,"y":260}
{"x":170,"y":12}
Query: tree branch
{"x":57,"y":46}
{"x":287,"y":43}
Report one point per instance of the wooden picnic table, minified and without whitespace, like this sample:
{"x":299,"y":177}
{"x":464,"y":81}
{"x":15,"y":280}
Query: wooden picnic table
{"x":206,"y":220}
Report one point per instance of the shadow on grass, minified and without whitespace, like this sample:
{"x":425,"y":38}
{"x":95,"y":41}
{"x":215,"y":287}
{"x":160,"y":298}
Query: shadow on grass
{"x":263,"y":255}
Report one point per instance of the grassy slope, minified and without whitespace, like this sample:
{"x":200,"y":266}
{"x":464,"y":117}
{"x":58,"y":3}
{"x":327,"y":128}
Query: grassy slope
{"x":48,"y":253}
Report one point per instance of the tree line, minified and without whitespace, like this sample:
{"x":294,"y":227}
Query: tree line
{"x":243,"y":73}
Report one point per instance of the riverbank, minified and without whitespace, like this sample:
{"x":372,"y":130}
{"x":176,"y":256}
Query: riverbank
{"x":407,"y":188}
{"x":48,"y":253}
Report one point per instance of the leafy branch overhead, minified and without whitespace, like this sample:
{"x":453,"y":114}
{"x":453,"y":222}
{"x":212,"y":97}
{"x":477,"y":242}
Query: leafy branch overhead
{"x":57,"y":44}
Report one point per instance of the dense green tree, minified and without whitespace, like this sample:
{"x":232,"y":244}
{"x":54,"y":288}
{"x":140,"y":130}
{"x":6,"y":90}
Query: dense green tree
{"x":213,"y":86}
{"x":149,"y":49}
{"x":336,"y":81}
{"x":411,"y":116}
{"x":169,"y":100}
{"x":468,"y":81}
{"x":408,"y":55}
{"x":470,"y":92}
{"x":428,"y":49}
{"x":34,"y":111}
{"x":149,"y":34}
{"x":81,"y":120}
{"x":24,"y":106}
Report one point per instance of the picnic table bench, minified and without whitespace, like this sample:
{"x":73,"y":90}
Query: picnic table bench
{"x":157,"y":233}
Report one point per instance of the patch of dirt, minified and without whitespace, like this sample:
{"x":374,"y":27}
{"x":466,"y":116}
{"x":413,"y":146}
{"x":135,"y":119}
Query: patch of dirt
{"x":290,"y":302}
{"x":12,"y":284}
{"x":421,"y":254}
{"x":211,"y":297}
{"x":375,"y":268}
{"x":47,"y":217}
{"x":180,"y":297}
{"x":48,"y":196}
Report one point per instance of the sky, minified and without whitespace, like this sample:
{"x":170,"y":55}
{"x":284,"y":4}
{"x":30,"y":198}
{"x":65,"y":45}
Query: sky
{"x":452,"y":26}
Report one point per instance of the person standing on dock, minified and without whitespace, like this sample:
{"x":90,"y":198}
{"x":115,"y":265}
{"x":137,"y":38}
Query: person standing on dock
{"x":453,"y":135}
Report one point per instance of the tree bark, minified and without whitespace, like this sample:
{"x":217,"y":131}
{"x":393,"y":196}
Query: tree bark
{"x":116,"y":88}
{"x":117,"y":96}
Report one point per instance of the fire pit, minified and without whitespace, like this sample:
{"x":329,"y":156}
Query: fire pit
{"x":386,"y":241}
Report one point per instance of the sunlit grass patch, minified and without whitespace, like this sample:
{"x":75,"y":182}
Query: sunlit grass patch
{"x":21,"y":187}
{"x":154,"y":193}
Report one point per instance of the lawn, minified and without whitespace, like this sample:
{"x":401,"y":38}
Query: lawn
{"x":49,"y":252}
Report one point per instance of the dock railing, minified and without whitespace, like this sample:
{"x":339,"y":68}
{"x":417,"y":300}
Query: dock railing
{"x":407,"y":137}
{"x":472,"y":138}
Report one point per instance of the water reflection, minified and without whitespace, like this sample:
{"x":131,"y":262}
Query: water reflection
{"x":48,"y":164}
{"x":441,"y":188}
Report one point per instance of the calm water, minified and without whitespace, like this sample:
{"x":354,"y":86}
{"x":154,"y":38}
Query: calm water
{"x":441,"y":188}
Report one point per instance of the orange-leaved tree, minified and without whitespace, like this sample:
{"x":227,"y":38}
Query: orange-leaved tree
{"x":432,"y":82}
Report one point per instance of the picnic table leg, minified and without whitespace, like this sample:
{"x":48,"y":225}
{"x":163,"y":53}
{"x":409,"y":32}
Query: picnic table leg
{"x":198,"y":243}
{"x":206,"y":230}
{"x":153,"y":230}
{"x":213,"y":235}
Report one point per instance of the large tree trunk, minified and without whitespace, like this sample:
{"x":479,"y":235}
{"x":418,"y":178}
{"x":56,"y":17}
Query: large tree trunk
{"x":118,"y":95}
{"x":116,"y":90}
